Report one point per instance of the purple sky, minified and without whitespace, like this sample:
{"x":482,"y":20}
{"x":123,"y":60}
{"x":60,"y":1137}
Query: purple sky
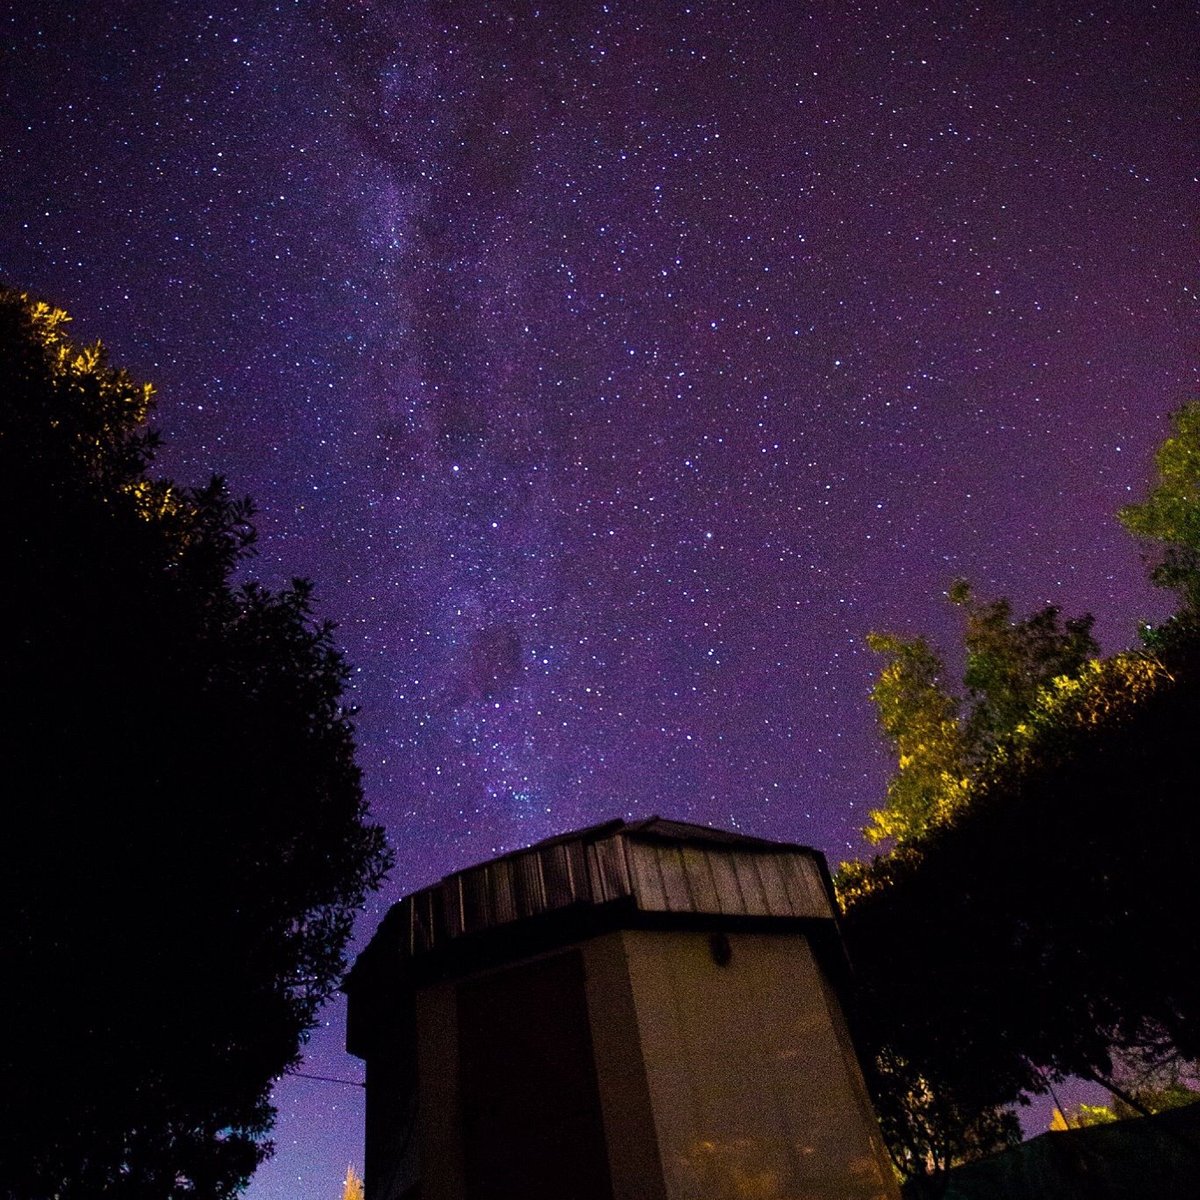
{"x":614,"y":368}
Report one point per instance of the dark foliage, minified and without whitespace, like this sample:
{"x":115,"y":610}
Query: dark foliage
{"x":185,"y":837}
{"x":1031,"y":918}
{"x":1047,"y":924}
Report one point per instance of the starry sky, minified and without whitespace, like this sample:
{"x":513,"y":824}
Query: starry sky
{"x":613,"y":368}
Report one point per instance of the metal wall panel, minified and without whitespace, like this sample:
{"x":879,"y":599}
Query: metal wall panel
{"x":608,"y":871}
{"x":577,"y":868}
{"x":750,"y":884}
{"x":674,"y":874}
{"x":529,"y":885}
{"x":647,"y":881}
{"x":503,"y":892}
{"x":725,"y":880}
{"x":700,"y":878}
{"x":779,"y":903}
{"x":806,"y":885}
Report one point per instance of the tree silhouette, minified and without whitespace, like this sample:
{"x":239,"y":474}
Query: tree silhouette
{"x":185,"y":839}
{"x":1027,"y":920}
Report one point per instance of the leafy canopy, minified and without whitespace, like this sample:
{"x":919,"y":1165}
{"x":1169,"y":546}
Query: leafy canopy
{"x":943,"y":737}
{"x":1022,"y":922}
{"x":1169,"y":518}
{"x":186,"y":840}
{"x":1143,"y":1083}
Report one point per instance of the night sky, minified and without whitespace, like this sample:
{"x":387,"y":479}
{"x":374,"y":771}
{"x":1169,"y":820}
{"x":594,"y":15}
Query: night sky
{"x":614,"y":368}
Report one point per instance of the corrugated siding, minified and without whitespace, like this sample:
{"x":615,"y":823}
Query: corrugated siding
{"x":695,"y":879}
{"x":660,"y":875}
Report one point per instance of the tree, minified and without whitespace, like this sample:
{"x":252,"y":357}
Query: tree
{"x":921,"y":718}
{"x":1027,"y":917}
{"x":1033,"y":933}
{"x":1144,"y":1083}
{"x":1169,"y":518}
{"x":929,"y":1124}
{"x":353,"y":1189}
{"x":941,"y":738}
{"x":186,"y":839}
{"x":1009,"y":663}
{"x":946,"y":742}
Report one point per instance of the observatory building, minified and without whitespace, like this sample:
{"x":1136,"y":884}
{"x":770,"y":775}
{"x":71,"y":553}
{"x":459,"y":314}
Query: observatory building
{"x":643,"y":1011}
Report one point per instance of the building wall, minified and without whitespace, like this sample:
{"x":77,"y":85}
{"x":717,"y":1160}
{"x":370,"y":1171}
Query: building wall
{"x":392,"y":1168}
{"x":510,"y":1107}
{"x":528,"y":1097}
{"x":634,"y":1167}
{"x":753,"y":1083}
{"x":439,"y":1116}
{"x":723,"y":1071}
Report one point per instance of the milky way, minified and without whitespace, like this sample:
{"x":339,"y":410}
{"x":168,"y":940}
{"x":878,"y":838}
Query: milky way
{"x":614,"y":368}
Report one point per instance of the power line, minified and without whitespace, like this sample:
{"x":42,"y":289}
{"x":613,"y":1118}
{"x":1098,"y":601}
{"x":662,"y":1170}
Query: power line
{"x":327,"y":1079}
